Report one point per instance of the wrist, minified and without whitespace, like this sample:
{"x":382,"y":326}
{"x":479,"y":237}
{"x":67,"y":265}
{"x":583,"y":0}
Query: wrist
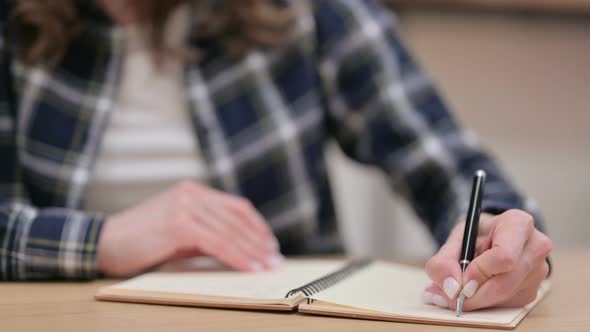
{"x":104,"y":255}
{"x":130,"y":244}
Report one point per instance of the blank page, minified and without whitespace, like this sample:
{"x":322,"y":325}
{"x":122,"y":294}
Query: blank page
{"x":272,"y":284}
{"x":396,"y":290}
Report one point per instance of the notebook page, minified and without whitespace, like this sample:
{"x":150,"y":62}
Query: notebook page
{"x":397,"y":290}
{"x":259,"y":285}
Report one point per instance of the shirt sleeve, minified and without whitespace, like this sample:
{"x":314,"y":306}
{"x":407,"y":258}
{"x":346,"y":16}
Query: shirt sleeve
{"x":36,"y":243}
{"x":383,"y":110}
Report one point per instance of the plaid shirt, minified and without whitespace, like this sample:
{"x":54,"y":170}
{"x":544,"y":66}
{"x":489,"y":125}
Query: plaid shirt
{"x":262,"y":122}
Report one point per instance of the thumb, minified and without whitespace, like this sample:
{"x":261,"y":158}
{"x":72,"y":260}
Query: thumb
{"x":443,"y":268}
{"x":511,"y":232}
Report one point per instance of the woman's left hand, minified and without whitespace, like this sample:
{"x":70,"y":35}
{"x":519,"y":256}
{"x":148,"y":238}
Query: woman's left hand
{"x":509,"y":266}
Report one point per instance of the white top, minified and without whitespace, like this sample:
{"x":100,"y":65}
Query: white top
{"x":149,"y":143}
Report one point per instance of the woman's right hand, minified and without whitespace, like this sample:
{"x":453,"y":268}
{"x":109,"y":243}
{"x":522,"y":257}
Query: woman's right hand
{"x":187,"y":220}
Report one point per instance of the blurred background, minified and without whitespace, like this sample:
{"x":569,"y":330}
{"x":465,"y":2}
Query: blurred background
{"x":518,"y":73}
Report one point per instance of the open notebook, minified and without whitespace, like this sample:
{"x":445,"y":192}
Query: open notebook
{"x":360,"y":289}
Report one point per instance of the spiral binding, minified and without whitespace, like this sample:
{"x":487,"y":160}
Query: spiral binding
{"x":330,"y":279}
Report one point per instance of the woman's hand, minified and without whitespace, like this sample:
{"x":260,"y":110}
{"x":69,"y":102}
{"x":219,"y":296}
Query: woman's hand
{"x":508,"y":268}
{"x":187,"y":220}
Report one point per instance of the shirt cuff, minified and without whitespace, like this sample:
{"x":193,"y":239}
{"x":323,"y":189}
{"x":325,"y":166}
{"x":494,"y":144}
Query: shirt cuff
{"x":57,"y":244}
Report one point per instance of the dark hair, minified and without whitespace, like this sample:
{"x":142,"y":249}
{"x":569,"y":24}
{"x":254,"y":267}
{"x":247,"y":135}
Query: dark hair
{"x":238,"y":24}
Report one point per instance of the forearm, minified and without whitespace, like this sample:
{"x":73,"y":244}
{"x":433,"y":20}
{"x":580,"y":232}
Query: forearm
{"x":36,"y":243}
{"x":465,"y":156}
{"x":384,"y":110}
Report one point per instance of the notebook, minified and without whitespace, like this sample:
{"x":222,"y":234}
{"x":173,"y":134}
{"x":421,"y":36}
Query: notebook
{"x":364,"y":289}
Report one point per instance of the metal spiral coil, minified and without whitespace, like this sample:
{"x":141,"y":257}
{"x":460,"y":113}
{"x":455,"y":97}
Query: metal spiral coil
{"x":330,"y":279}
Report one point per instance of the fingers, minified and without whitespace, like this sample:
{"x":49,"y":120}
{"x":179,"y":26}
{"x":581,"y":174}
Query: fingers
{"x":500,"y":293}
{"x":260,"y":252}
{"x":251,"y":219}
{"x":226,"y":252}
{"x":436,"y":296}
{"x":230,"y":235}
{"x":443,"y":268}
{"x":530,"y":292}
{"x":445,"y":272}
{"x":510,"y":235}
{"x":507,"y":273}
{"x":517,"y":286}
{"x":244,"y":209}
{"x":247,"y":213}
{"x":187,"y":253}
{"x":212,"y":236}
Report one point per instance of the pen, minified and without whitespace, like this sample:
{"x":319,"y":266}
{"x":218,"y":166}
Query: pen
{"x":471,"y":226}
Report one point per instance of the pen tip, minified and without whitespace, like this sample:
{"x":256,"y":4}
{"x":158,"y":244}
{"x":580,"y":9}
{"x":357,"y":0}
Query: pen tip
{"x":460,"y":305}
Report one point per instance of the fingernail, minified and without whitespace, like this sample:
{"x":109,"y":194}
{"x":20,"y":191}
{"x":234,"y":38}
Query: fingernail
{"x":255,"y":267}
{"x":439,"y":301}
{"x":275,"y":260}
{"x":470,"y":288}
{"x":451,"y":287}
{"x":427,"y":297}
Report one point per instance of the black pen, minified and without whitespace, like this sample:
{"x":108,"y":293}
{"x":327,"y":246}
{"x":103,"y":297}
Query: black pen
{"x":471,"y":226}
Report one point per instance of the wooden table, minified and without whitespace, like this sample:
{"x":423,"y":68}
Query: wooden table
{"x":69,"y":306}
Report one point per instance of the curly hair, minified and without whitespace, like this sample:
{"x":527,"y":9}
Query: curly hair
{"x":50,"y":25}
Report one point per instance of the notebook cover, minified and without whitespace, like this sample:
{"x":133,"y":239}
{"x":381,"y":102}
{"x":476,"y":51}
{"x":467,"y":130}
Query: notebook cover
{"x":331,"y":309}
{"x":195,"y":300}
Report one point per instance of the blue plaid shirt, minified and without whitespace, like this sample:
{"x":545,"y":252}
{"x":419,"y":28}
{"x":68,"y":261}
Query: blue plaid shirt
{"x":262,"y":121}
